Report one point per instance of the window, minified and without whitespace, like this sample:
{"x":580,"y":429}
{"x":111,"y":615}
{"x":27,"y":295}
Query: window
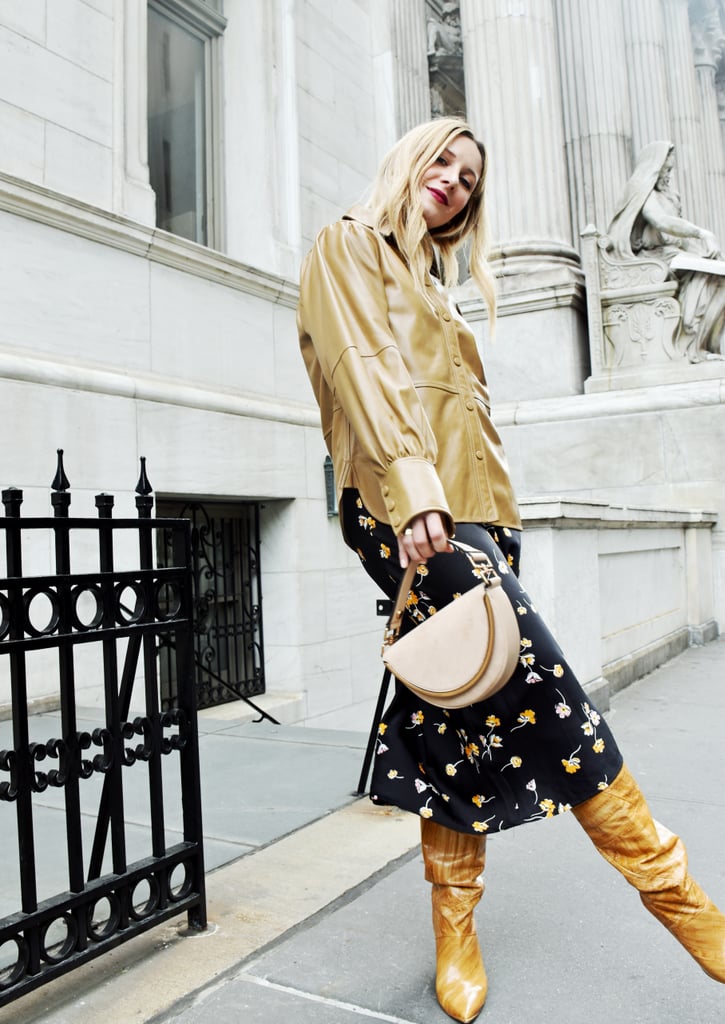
{"x":183,"y":115}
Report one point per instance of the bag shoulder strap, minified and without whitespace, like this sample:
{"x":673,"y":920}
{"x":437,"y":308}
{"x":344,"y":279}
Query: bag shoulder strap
{"x":478,"y":559}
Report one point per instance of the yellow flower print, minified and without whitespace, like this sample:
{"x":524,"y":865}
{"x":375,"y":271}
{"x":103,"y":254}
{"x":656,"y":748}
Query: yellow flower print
{"x":493,"y":722}
{"x":382,"y":729}
{"x":572,"y":764}
{"x":588,"y":729}
{"x":525,"y":718}
{"x":514,"y":762}
{"x":393,"y":774}
{"x":445,"y":797}
{"x":503,"y":569}
{"x":417,"y":718}
{"x":384,"y":551}
{"x":478,"y":800}
{"x":422,"y":569}
{"x":601,"y":786}
{"x":558,"y":671}
{"x":457,"y":595}
{"x":358,"y":503}
{"x":371,"y":523}
{"x":510,"y":560}
{"x":495,"y":741}
{"x":431,"y":609}
{"x":425,"y":812}
{"x":598,"y":746}
{"x":506,"y":531}
{"x":527,"y":659}
{"x":452,"y":769}
{"x":412,"y":599}
{"x":441,"y":727}
{"x":525,"y":643}
{"x":480,"y":826}
{"x":472,"y":750}
{"x":549,"y":807}
{"x":564,"y":808}
{"x":522,"y":609}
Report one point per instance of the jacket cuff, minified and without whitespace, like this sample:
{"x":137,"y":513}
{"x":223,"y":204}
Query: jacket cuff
{"x":410,"y":487}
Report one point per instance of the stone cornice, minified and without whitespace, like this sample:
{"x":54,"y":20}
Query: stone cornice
{"x":562,"y":512}
{"x":630,"y":402}
{"x":37,"y":203}
{"x":19,"y":366}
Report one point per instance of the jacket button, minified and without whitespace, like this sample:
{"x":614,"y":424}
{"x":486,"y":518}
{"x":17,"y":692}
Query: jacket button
{"x":390,"y":505}
{"x":470,"y":405}
{"x":479,"y":454}
{"x":396,"y":521}
{"x":457,"y":360}
{"x":386,"y":491}
{"x":447,"y":316}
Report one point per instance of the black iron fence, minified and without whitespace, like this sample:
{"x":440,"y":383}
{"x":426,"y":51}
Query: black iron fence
{"x":101,"y":612}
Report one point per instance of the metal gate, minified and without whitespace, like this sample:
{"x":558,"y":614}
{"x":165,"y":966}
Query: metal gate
{"x":106,"y":620}
{"x":227,"y":587}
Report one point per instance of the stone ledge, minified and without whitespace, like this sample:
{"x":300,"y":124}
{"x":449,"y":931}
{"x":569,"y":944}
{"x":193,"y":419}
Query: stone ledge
{"x":561,"y":512}
{"x":34,"y":202}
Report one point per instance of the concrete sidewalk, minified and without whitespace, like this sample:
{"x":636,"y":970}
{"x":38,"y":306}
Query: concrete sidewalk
{"x":331,"y":922}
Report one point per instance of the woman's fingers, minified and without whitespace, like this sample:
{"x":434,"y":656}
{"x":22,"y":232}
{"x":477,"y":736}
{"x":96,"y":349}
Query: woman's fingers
{"x":425,"y":536}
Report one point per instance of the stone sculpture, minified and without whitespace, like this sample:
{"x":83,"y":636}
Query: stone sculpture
{"x":647,"y":226}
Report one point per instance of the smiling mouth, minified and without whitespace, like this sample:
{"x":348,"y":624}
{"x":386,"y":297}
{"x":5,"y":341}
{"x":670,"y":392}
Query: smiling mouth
{"x":440,"y":197}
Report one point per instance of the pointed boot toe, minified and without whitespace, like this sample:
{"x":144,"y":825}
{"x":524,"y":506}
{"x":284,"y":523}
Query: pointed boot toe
{"x":695,"y":921}
{"x":461,"y":983}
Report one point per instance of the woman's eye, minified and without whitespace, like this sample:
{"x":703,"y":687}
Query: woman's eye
{"x":441,"y":160}
{"x":466,"y":183}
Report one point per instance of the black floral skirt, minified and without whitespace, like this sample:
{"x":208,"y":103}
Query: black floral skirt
{"x":535,"y":749}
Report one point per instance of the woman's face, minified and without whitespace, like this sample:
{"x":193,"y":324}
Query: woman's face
{"x":446,"y":185}
{"x":665,"y":176}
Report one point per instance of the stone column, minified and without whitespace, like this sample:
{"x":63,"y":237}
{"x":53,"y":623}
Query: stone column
{"x":513,"y":101}
{"x":684,"y":105}
{"x":597,"y":115}
{"x":408,"y":34}
{"x":647,"y":73}
{"x":708,"y":36}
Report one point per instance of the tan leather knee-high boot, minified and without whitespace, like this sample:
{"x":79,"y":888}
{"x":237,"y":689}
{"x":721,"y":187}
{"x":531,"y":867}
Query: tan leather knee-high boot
{"x":454,"y":863}
{"x":654,"y":861}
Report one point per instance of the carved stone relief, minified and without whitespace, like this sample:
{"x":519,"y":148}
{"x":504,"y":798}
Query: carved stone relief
{"x":445,"y":59}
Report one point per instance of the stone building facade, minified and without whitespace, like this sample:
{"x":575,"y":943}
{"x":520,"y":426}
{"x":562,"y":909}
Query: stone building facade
{"x":165,"y":164}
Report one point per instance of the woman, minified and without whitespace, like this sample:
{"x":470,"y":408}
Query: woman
{"x":647,"y":222}
{"x":405,"y":415}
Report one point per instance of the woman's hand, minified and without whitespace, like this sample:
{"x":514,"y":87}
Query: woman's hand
{"x":425,"y":536}
{"x":712,"y":248}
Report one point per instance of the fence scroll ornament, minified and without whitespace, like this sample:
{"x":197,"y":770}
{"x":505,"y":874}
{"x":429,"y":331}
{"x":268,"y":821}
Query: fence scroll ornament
{"x":57,"y":622}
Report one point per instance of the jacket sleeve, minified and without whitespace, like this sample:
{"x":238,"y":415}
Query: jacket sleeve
{"x":343,"y":316}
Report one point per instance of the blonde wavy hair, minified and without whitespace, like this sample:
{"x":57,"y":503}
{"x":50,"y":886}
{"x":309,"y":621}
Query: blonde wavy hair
{"x":396,"y":205}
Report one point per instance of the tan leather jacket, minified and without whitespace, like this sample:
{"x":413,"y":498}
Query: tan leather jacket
{"x":403,"y":399}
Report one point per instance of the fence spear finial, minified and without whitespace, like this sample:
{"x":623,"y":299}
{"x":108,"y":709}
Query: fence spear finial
{"x":60,"y":481}
{"x":143,"y":486}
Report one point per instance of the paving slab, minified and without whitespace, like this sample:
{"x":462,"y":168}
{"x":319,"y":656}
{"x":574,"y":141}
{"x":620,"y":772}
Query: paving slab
{"x":565,"y":938}
{"x":331,"y":922}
